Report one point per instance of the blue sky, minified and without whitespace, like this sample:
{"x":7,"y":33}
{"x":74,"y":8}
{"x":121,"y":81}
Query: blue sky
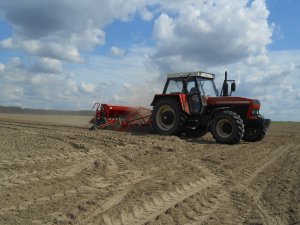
{"x":285,"y":14}
{"x":119,"y":51}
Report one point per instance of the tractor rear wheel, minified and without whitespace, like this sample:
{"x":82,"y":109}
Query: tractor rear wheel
{"x":227,"y":127}
{"x":166,"y":116}
{"x":254,"y":134}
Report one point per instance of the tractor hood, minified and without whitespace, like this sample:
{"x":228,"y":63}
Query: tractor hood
{"x":230,"y":100}
{"x":245,"y":106}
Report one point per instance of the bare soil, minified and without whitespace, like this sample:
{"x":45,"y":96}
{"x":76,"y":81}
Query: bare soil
{"x":70,"y":175}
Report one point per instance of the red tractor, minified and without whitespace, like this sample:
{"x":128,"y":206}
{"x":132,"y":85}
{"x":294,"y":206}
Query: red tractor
{"x":191,"y":105}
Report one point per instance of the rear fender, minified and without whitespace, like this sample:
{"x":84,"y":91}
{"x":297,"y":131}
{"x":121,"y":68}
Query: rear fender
{"x":181,"y":98}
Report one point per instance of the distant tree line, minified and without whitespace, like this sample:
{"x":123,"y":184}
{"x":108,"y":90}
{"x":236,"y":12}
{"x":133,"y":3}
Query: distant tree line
{"x":17,"y":109}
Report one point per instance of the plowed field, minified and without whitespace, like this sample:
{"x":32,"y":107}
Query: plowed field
{"x":70,"y":175}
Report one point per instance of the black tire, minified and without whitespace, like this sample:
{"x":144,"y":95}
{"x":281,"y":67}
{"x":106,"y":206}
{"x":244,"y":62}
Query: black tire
{"x":254,"y":134}
{"x":227,"y":127}
{"x":166,"y":116}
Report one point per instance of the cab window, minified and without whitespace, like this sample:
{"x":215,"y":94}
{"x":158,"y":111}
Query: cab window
{"x":174,"y":86}
{"x":191,"y":87}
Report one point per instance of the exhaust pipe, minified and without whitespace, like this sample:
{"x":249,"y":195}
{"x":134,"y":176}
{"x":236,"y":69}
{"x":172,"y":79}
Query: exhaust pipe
{"x":225,"y":86}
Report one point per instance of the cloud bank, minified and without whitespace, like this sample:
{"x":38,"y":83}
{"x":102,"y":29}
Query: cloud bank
{"x":55,"y":55}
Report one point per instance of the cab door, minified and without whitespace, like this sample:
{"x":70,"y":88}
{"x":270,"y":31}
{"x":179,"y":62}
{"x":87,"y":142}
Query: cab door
{"x":193,"y":96}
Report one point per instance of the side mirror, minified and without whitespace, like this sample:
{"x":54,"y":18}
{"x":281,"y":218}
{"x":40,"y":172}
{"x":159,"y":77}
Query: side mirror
{"x":233,"y":86}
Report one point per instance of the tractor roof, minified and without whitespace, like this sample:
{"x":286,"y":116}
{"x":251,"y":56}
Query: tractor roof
{"x":192,"y":74}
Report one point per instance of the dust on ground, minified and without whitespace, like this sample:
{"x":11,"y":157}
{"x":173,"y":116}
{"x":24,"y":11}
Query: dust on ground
{"x":68,"y":175}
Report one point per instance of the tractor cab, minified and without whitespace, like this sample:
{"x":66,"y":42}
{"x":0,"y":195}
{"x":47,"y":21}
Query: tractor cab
{"x":197,"y":86}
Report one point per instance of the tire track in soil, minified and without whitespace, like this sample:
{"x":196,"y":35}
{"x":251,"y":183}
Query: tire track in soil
{"x":96,"y":184}
{"x":251,"y":174}
{"x":180,"y":196}
{"x":248,"y":176}
{"x":121,"y":191}
{"x":26,"y":177}
{"x":158,"y":205}
{"x":66,"y":172}
{"x":49,"y":158}
{"x":209,"y":205}
{"x":50,"y":199}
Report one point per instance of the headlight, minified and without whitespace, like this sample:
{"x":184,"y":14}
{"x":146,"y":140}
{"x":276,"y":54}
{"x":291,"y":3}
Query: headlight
{"x":255,"y":111}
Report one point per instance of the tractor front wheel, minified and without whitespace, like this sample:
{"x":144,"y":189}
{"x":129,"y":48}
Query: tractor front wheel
{"x":227,"y":127}
{"x":254,"y":134}
{"x":166,"y":116}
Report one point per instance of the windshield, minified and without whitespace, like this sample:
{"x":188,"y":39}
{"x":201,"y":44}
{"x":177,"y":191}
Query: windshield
{"x":207,"y":87}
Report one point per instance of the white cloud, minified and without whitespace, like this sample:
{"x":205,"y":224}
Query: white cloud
{"x":164,"y":27}
{"x":138,"y":94}
{"x":71,"y":26}
{"x":15,"y":61}
{"x":207,"y":32}
{"x":88,"y":39}
{"x":33,"y":20}
{"x":39,"y":48}
{"x":7,"y":43}
{"x":2,"y":67}
{"x":101,"y":79}
{"x":146,"y":14}
{"x":117,"y":51}
{"x":13,"y":94}
{"x":87,"y":87}
{"x":46,"y":65}
{"x":52,"y":63}
{"x":41,"y":79}
{"x":211,"y":32}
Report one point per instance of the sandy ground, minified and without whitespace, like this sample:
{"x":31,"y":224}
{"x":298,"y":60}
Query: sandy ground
{"x":74,"y":121}
{"x":68,"y":175}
